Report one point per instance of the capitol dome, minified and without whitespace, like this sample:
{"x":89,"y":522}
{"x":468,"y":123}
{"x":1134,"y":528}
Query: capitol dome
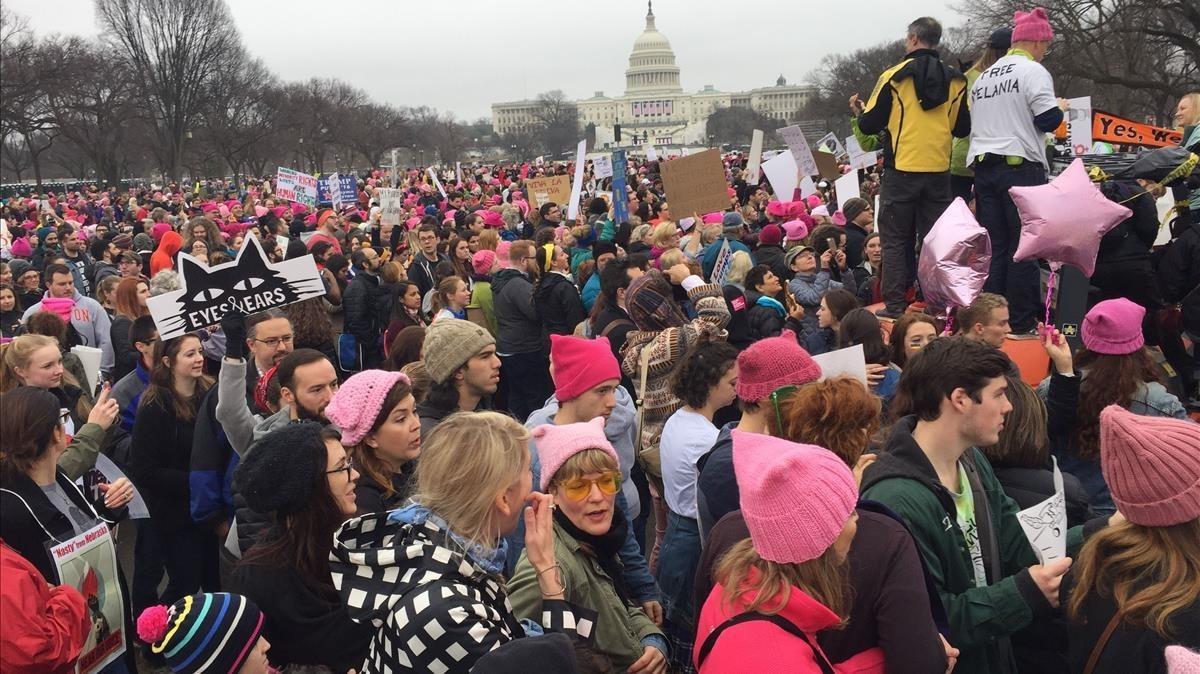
{"x":652,"y":66}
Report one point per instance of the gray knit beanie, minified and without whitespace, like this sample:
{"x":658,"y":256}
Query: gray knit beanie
{"x":449,"y":343}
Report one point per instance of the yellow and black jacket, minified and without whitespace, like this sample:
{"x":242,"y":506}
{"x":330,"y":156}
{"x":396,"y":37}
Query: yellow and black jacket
{"x":921,"y":102}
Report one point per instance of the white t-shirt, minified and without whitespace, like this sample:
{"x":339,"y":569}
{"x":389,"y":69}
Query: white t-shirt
{"x":685,"y":438}
{"x":1004,"y":101}
{"x":964,"y":506}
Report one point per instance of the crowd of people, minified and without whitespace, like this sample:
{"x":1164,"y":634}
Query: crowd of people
{"x":502,"y":440}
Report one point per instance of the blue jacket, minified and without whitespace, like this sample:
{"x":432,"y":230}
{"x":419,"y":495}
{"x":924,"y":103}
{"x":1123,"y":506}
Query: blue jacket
{"x":128,"y":394}
{"x":710,"y":253}
{"x":591,"y":290}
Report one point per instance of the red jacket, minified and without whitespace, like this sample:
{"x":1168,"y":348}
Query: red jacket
{"x":761,"y":646}
{"x":43,"y":626}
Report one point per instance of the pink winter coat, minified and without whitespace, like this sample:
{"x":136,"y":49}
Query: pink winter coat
{"x":761,"y":646}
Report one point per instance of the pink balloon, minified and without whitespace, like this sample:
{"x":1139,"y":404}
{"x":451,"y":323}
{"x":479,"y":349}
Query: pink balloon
{"x":1063,"y":221}
{"x":954,"y":259}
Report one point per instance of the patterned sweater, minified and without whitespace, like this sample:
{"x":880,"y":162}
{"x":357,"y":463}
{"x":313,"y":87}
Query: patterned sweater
{"x":666,"y":353}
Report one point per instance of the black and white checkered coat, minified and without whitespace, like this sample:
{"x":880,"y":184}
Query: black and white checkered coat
{"x":435,"y":609}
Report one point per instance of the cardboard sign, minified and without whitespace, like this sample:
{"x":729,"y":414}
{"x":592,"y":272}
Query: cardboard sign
{"x":248,"y":284}
{"x":1045,"y":524}
{"x":754,"y":163}
{"x":1113,"y":129}
{"x":577,"y":182}
{"x":391,"y":206}
{"x":696,"y":183}
{"x":553,"y":189}
{"x":602,"y":167}
{"x":88,"y":563}
{"x":798,"y":145}
{"x":347,"y":192}
{"x":827,"y":166}
{"x":296,"y":186}
{"x":620,"y":201}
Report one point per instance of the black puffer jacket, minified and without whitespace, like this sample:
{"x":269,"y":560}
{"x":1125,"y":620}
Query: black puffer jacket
{"x":1179,"y":276}
{"x":558,"y":305}
{"x":517,"y":327}
{"x":364,"y":303}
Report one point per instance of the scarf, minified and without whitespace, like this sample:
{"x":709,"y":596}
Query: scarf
{"x":771,"y":303}
{"x":490,"y":560}
{"x":604,"y":548}
{"x":650,"y":304}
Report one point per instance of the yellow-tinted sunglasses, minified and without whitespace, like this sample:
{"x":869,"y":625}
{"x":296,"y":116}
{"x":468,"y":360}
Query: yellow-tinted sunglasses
{"x":578,"y":489}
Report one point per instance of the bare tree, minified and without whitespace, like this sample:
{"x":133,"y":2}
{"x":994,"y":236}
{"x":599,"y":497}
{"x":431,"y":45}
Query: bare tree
{"x":176,"y":47}
{"x":30,"y":70}
{"x":558,"y":117}
{"x":14,"y":159}
{"x":737,"y":125}
{"x":241,"y":115}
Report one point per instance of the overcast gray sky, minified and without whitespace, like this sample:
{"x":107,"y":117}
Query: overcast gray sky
{"x":464,"y":55}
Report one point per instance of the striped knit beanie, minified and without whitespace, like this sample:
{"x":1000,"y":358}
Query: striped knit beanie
{"x":203,"y":633}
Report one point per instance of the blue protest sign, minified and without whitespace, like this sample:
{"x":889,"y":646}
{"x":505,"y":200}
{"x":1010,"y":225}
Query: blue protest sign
{"x":348,"y":189}
{"x":619,"y":195}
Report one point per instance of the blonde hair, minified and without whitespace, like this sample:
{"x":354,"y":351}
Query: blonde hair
{"x":582,"y":463}
{"x":739,"y":264}
{"x":662,"y":233}
{"x":18,"y":353}
{"x":639,"y":232}
{"x":465,"y":463}
{"x":671,"y":257}
{"x":825,"y":579}
{"x":1150,"y":573}
{"x":489,"y":239}
{"x":1194,"y":97}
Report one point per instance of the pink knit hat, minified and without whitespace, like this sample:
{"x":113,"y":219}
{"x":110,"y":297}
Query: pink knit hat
{"x":1032,"y":26}
{"x":556,"y":444}
{"x":359,"y":401}
{"x":777,"y":209}
{"x":1152,"y":466}
{"x":578,"y":364}
{"x":771,"y":235}
{"x":795,"y":498}
{"x":63,"y":306}
{"x":795,"y":229}
{"x":1181,"y":660}
{"x":482,"y":261}
{"x":492,"y":219}
{"x":771,"y":363}
{"x":1114,"y":327}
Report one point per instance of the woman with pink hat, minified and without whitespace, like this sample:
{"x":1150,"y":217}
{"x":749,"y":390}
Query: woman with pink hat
{"x":776,"y":590}
{"x":1134,"y":588}
{"x":1114,"y":368}
{"x":381,"y":431}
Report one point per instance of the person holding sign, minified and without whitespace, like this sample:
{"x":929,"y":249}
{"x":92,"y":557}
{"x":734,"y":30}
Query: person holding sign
{"x":41,"y":508}
{"x":1014,"y":107}
{"x":921,"y":102}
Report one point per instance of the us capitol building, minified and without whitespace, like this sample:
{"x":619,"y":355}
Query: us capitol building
{"x":655,"y":104}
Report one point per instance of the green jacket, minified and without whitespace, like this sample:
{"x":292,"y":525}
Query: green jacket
{"x":80,"y":455}
{"x":981,"y":618}
{"x":868,"y":143}
{"x":481,"y":298}
{"x":960,"y":146}
{"x":620,"y":628}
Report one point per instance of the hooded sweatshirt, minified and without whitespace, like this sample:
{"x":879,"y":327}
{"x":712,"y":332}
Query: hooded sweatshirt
{"x":91,"y":323}
{"x":164,"y":254}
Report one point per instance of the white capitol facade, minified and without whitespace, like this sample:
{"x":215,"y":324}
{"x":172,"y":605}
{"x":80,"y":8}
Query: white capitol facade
{"x":654,"y":102}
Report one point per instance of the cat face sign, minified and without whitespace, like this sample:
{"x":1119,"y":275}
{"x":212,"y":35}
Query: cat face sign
{"x":247,"y":285}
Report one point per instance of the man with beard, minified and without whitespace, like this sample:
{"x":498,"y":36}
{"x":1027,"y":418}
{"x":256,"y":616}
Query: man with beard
{"x":460,"y":358}
{"x":307,"y":382}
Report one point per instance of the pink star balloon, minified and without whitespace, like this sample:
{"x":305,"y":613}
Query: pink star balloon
{"x":1063,"y":221}
{"x":954,"y":259}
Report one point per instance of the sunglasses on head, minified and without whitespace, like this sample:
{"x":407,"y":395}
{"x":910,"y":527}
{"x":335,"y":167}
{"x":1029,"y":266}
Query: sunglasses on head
{"x":578,"y":489}
{"x":778,"y":397}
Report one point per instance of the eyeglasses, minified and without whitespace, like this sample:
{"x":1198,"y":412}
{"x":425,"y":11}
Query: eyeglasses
{"x":274,"y":342}
{"x":778,"y":397}
{"x":579,"y":488}
{"x":347,"y":467}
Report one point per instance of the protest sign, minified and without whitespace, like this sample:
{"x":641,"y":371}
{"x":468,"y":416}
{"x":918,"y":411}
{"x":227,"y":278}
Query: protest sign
{"x":107,"y":472}
{"x":602,"y":167}
{"x":577,"y":182}
{"x":88,"y":563}
{"x":830,"y":143}
{"x":1079,"y":124}
{"x":846,"y":188}
{"x":296,"y":186}
{"x":1113,"y":129}
{"x":248,"y":284}
{"x":552,"y":189}
{"x":798,"y":145}
{"x":696,"y":183}
{"x":89,"y":357}
{"x":827,"y":166}
{"x":391,"y":206}
{"x":1045,"y":524}
{"x":458,"y":172}
{"x":651,"y":153}
{"x":620,"y":188}
{"x":437,"y":183}
{"x":781,"y":173}
{"x":848,"y":362}
{"x":754,"y":163}
{"x":859,"y":158}
{"x":335,"y":193}
{"x":720,"y":272}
